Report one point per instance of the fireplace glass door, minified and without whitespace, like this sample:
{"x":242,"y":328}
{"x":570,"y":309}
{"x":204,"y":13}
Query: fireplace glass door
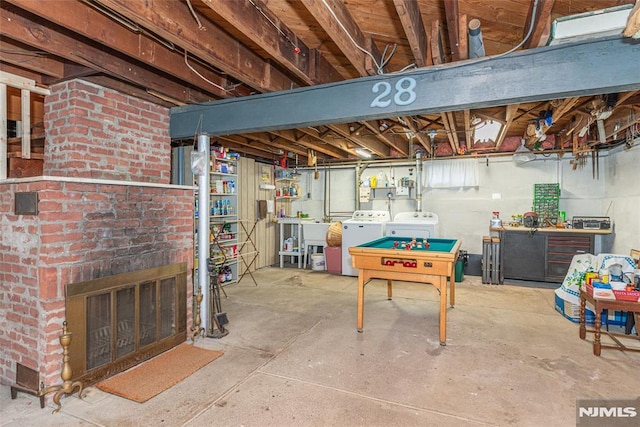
{"x":98,"y":330}
{"x":117,"y":322}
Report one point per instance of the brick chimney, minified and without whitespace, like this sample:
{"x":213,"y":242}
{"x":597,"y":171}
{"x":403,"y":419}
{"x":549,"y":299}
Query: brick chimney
{"x":104,"y":206}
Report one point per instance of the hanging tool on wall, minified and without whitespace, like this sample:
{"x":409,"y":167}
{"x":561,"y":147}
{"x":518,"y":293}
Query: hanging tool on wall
{"x":312,"y":160}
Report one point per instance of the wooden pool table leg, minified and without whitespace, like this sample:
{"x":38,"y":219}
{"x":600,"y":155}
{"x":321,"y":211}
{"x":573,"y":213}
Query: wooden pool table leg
{"x":360,"y":301}
{"x":443,"y":310}
{"x":389,"y":288}
{"x":452,"y":297}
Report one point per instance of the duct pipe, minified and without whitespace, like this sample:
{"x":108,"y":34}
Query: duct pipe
{"x":326,"y":203}
{"x":418,"y":181}
{"x":203,"y":231}
{"x":358,"y":174}
{"x":476,"y":46}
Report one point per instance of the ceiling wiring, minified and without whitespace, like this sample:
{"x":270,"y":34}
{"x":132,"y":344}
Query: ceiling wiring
{"x":186,"y":61}
{"x":531,"y":26}
{"x":129,"y":24}
{"x":378,"y":67}
{"x":25,"y":52}
{"x":193,"y":12}
{"x":119,"y":18}
{"x":296,"y":48}
{"x":31,"y":55}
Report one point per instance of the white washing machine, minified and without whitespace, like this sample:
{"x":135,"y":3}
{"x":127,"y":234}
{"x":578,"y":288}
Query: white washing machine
{"x":363,"y":227}
{"x":422,"y":225}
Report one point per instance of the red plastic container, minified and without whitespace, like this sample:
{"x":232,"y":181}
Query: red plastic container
{"x":333,"y":259}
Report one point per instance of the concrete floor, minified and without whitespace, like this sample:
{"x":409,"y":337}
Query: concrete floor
{"x":293,"y":358}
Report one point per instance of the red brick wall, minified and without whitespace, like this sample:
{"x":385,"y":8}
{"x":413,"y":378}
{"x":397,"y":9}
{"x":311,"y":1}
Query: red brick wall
{"x":85,"y":229}
{"x":94,"y":132}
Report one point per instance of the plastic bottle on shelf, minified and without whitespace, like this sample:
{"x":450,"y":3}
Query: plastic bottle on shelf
{"x":382,"y":180}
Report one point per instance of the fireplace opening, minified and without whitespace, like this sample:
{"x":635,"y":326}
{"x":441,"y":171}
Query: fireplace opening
{"x":119,"y":321}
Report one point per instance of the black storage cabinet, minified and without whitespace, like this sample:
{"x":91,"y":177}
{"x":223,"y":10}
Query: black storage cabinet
{"x":541,"y":256}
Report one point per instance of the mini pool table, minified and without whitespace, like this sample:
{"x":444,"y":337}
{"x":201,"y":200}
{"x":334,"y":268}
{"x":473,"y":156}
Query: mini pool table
{"x":426,"y":261}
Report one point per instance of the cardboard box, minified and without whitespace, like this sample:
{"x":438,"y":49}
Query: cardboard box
{"x":572,"y":312}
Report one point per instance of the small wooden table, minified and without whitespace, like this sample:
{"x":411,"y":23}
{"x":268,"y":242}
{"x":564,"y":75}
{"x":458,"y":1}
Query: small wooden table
{"x":434,"y":264}
{"x":598,"y":306}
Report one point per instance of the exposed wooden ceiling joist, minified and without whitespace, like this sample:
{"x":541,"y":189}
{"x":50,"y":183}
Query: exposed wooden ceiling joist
{"x":44,"y":37}
{"x":260,"y":25}
{"x":411,"y":19}
{"x":217,"y":48}
{"x":242,"y":48}
{"x":90,"y":23}
{"x":20,"y":55}
{"x":339,"y":25}
{"x":542,"y":23}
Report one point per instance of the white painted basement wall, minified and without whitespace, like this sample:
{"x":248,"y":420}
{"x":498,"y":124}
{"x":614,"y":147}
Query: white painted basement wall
{"x":465,"y":213}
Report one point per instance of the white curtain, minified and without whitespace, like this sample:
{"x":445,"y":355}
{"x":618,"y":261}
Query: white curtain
{"x":451,"y":173}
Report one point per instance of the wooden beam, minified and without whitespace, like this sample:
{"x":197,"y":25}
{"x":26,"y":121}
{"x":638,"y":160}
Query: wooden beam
{"x":418,"y":135}
{"x":622,"y":98}
{"x":564,"y":107}
{"x":66,"y":46}
{"x":258,"y":23}
{"x":312,"y":142}
{"x":452,"y":13}
{"x":334,"y":17}
{"x":245,"y":146}
{"x":396,"y":142}
{"x":25,"y":117}
{"x":20,"y":82}
{"x":468,"y":132}
{"x":37,"y":77}
{"x":373,"y":145}
{"x":437,"y":55}
{"x":411,"y":20}
{"x":325,"y":137}
{"x":212,"y":45}
{"x":540,"y":32}
{"x":96,"y":26}
{"x":463,"y":40}
{"x":276,"y":141}
{"x":450,"y":126}
{"x":24,"y":56}
{"x":510,"y":112}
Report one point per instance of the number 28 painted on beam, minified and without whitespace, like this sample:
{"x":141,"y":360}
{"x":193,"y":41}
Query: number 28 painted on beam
{"x":402,"y":93}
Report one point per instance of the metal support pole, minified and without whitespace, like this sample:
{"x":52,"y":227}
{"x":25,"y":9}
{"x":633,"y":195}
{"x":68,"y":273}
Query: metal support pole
{"x":418,"y":181}
{"x":203,"y":231}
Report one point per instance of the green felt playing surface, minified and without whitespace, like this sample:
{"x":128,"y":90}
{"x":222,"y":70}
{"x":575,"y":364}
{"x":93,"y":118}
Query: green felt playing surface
{"x":435,"y":244}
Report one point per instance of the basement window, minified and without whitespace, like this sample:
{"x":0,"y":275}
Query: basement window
{"x":486,"y":131}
